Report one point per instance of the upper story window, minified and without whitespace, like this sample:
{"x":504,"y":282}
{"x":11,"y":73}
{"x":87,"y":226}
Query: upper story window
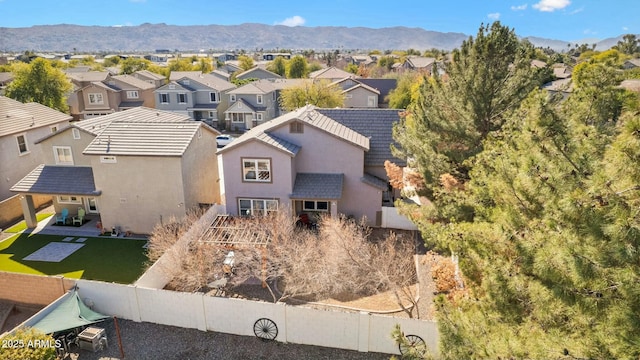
{"x":96,"y":99}
{"x":22,"y":143}
{"x":186,"y":82}
{"x":371,"y":101}
{"x":214,"y":97}
{"x":62,"y":155}
{"x":256,"y":170}
{"x":76,"y":133}
{"x":182,"y":98}
{"x":232,"y":97}
{"x":259,"y":116}
{"x":132,"y":94}
{"x":164,"y":98}
{"x":259,"y":99}
{"x":172,"y":87}
{"x":296,"y":127}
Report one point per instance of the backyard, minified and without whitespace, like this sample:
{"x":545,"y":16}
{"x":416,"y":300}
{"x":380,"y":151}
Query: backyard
{"x":105,"y":259}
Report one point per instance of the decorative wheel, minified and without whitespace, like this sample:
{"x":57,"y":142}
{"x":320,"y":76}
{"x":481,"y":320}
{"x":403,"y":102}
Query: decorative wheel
{"x":265,"y":329}
{"x":413,"y":345}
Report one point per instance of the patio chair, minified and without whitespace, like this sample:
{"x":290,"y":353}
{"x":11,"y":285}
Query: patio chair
{"x":78,"y":219}
{"x":62,"y":219}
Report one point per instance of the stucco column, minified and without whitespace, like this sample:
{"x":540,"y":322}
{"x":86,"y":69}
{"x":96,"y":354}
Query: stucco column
{"x":334,"y":209}
{"x":28,"y":210}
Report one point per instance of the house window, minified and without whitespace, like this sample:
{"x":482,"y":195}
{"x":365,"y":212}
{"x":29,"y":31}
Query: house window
{"x":259,"y":99}
{"x":164,"y":98}
{"x":256,"y":170}
{"x":256,"y":207}
{"x":186,"y":82}
{"x":132,"y":94}
{"x":62,"y":155}
{"x":259,"y":116}
{"x":68,"y":199}
{"x":296,"y":127}
{"x":309,"y":205}
{"x":76,"y":133}
{"x":237,"y":118}
{"x":371,"y":101}
{"x":232,"y":97}
{"x":212,"y":115}
{"x":22,"y":143}
{"x":182,"y":98}
{"x":108,"y":159}
{"x":96,"y":99}
{"x":172,"y":87}
{"x":213,"y":97}
{"x":54,"y":129}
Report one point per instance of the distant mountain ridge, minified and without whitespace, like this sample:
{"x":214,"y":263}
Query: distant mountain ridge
{"x":149,"y":37}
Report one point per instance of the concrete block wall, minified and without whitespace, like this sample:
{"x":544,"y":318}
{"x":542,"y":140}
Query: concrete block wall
{"x":11,"y":209}
{"x":32,"y":289}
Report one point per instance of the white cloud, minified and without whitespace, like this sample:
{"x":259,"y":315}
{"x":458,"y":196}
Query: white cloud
{"x":494,"y":16}
{"x":551,"y":5}
{"x":519,"y":7}
{"x":292,"y":21}
{"x":625,"y":28}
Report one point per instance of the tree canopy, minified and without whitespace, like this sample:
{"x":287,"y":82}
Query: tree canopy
{"x":318,"y":93}
{"x":539,"y":199}
{"x":297,"y":68}
{"x":39,"y":82}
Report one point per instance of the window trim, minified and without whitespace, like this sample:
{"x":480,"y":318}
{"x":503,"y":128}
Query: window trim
{"x":75,"y":132}
{"x":25,"y":143}
{"x":133,"y":92}
{"x":255,"y":161}
{"x":166,"y":98}
{"x":296,"y":127}
{"x":259,"y":99}
{"x":232,"y":97}
{"x":185,"y":98}
{"x":56,"y":155}
{"x":315,"y":205}
{"x":215,"y":95}
{"x":96,"y":95}
{"x":371,"y":101}
{"x":70,"y":200}
{"x":53,"y":128}
{"x":259,"y":116}
{"x":253,"y":200}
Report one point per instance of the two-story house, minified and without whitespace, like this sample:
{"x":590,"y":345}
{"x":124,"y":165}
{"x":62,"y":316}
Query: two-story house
{"x":152,"y":78}
{"x":312,"y":161}
{"x":131,"y":169}
{"x":255,"y":103}
{"x":365,"y":92}
{"x":200,"y":96}
{"x":20,"y":126}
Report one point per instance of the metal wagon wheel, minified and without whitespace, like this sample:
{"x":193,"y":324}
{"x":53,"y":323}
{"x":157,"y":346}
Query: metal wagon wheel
{"x":265,"y":329}
{"x":413,"y":345}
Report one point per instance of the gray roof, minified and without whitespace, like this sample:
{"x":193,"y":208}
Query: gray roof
{"x":16,"y":117}
{"x":330,"y":73}
{"x":309,"y":116}
{"x":376,"y":124}
{"x":384,"y":86}
{"x":284,"y":145}
{"x":149,"y":75}
{"x":131,"y":104}
{"x":209,"y":80}
{"x":247,"y":73}
{"x":133,"y":81}
{"x":317,"y":186}
{"x":177,"y":75}
{"x":374,"y":181}
{"x":58,"y":180}
{"x":419,"y":62}
{"x":89,"y":76}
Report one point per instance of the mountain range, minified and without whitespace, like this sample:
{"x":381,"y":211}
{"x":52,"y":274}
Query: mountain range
{"x":149,"y":37}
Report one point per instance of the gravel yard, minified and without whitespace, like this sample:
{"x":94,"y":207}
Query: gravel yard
{"x":150,"y":341}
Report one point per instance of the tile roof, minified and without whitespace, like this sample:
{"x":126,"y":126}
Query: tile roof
{"x":309,"y":116}
{"x":150,"y":75}
{"x":16,"y":117}
{"x":284,"y":145}
{"x":564,"y":85}
{"x":420,"y":62}
{"x":247,"y":73}
{"x":374,"y":181}
{"x":384,"y":86}
{"x":330,"y":73}
{"x":58,"y":180}
{"x":209,"y":80}
{"x":89,"y":76}
{"x":144,"y":131}
{"x":317,"y":186}
{"x":177,"y":75}
{"x":376,"y":124}
{"x":133,"y":81}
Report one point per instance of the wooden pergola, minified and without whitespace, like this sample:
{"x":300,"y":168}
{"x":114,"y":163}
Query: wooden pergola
{"x":233,"y":231}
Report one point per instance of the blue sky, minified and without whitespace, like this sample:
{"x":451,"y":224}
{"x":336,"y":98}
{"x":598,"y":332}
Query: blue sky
{"x":568,"y":20}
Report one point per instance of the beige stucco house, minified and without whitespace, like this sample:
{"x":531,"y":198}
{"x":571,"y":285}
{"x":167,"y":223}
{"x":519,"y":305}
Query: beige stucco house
{"x":133,"y":168}
{"x":20,"y":126}
{"x":312,"y":161}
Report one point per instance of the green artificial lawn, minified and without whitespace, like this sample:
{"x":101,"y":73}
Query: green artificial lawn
{"x":105,"y":259}
{"x":22,"y":225}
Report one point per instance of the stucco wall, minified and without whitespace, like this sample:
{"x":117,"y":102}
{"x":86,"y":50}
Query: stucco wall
{"x":360,"y":98}
{"x":138,"y":191}
{"x":65,"y":138}
{"x":13,"y":165}
{"x":200,"y":170}
{"x":324,"y":153}
{"x":280,"y":188}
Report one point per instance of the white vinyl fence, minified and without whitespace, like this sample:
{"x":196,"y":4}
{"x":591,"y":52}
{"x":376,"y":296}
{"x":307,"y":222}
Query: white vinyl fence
{"x":353,"y":331}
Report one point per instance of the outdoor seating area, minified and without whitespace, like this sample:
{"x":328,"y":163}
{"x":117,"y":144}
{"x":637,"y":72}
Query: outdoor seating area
{"x":77,"y":220}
